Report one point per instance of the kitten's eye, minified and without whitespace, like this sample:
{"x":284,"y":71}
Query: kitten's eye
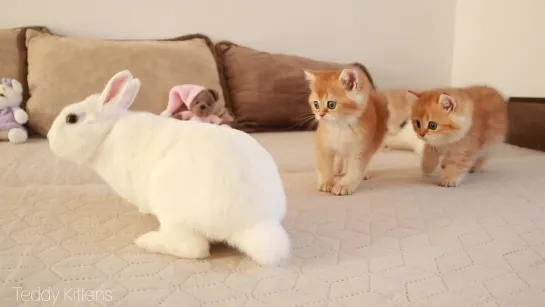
{"x":418,"y":124}
{"x":71,"y":118}
{"x":331,"y":105}
{"x":432,"y":125}
{"x":403,"y":124}
{"x":316,"y":105}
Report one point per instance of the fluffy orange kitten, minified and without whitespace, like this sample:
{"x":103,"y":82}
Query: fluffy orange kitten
{"x":459,"y":126}
{"x":400,"y":133}
{"x":351,"y":126}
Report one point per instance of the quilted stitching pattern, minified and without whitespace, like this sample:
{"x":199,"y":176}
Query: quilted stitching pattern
{"x":398,"y":242}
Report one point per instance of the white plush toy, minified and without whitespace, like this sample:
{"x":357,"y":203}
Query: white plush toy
{"x":203,"y":182}
{"x":12,"y":117}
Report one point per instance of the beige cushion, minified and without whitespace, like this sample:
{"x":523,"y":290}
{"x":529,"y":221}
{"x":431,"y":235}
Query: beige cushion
{"x":63,"y":70}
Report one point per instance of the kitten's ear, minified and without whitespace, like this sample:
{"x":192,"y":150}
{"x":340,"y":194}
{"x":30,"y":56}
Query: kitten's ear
{"x":349,"y":79}
{"x":309,"y":75}
{"x":447,"y":102}
{"x":412,"y":95}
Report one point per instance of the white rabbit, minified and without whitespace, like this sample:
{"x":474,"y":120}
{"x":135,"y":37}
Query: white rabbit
{"x":203,"y":182}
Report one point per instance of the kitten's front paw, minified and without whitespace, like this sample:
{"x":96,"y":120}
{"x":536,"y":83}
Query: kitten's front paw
{"x":476,"y":169}
{"x":450,"y":182}
{"x":343,"y":189}
{"x":325,"y":186}
{"x":478,"y":166}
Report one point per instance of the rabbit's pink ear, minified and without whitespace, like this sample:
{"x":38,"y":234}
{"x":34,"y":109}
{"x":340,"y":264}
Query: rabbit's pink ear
{"x":113,"y":90}
{"x":128,"y":94}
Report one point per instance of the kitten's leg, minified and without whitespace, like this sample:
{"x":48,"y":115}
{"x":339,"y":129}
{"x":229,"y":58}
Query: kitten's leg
{"x":430,"y":159}
{"x":478,"y":165}
{"x":339,"y":166}
{"x":355,"y":173}
{"x":324,"y":159}
{"x":456,"y":167}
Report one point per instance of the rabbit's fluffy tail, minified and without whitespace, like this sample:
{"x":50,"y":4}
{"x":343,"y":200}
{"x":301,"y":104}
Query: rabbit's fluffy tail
{"x":267,"y":243}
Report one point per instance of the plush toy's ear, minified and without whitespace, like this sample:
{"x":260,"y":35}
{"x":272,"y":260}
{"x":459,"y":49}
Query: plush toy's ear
{"x":447,"y":102}
{"x":13,"y":84}
{"x":412,"y":96}
{"x":214,"y":94}
{"x":16,"y":86}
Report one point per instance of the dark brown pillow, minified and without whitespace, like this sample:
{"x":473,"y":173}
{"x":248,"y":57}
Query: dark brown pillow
{"x":266,"y":91}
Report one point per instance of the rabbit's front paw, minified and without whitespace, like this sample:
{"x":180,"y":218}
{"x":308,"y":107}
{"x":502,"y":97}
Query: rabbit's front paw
{"x":144,"y":210}
{"x":182,"y":245}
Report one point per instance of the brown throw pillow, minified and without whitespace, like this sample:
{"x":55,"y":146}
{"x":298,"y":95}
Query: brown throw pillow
{"x":267,"y":91}
{"x":63,"y":70}
{"x":13,"y":56}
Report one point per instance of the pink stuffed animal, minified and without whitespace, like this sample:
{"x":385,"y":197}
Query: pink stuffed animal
{"x":192,"y":102}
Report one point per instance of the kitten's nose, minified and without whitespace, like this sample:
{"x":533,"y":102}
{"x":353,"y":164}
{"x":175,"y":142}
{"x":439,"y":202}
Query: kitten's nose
{"x":322,"y":115}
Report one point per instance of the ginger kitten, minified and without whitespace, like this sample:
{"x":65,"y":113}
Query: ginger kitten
{"x":351,"y":126}
{"x":459,"y":126}
{"x":401,"y":134}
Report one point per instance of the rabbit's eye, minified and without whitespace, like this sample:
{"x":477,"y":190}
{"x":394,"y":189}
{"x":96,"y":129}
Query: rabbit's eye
{"x":71,"y":118}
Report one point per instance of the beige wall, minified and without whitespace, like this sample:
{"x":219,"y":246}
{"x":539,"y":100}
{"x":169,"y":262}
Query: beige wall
{"x":405,"y":43}
{"x":502,"y":43}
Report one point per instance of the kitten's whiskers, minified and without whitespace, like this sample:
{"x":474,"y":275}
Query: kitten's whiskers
{"x":305,"y":120}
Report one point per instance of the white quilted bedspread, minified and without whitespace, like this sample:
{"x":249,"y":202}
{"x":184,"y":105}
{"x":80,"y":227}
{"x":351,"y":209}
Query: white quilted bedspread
{"x":66,"y":239}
